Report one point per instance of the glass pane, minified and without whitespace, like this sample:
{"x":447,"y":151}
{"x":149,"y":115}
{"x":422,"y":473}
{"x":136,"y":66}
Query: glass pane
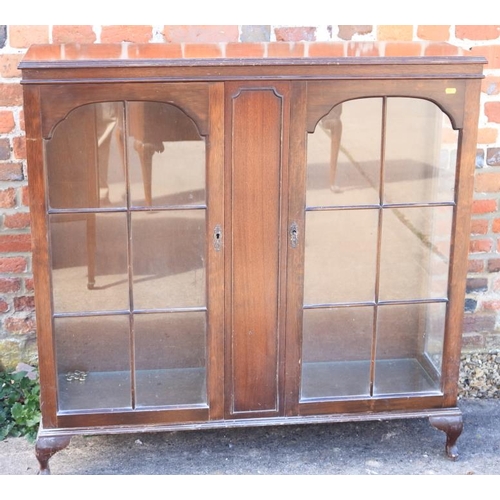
{"x":415,"y":253}
{"x":336,"y":352}
{"x":85,"y":158}
{"x":420,"y":155}
{"x":340,"y":256}
{"x":168,"y":250}
{"x":343,"y":155}
{"x":170,"y":358}
{"x":89,"y":262}
{"x":93,"y":367}
{"x":166,"y":156}
{"x":409,"y":348}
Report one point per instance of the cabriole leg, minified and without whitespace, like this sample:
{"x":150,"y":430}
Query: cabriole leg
{"x":452,"y":426}
{"x":46,"y":447}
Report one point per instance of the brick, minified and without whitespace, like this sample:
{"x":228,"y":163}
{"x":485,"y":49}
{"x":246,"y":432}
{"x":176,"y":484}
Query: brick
{"x":8,"y":65}
{"x":257,"y":33}
{"x":492,"y":341}
{"x":479,"y":322}
{"x":21,"y":120}
{"x":201,"y":33}
{"x":8,"y":198}
{"x":496,"y":226}
{"x":24,"y":303}
{"x":474,"y":341}
{"x":15,"y":242}
{"x":25,"y":196}
{"x":4,"y":307}
{"x":491,"y":52}
{"x":470,"y":305}
{"x":491,"y":85}
{"x":73,"y":34}
{"x":29,"y":284}
{"x":255,"y":50}
{"x":22,"y":37}
{"x":19,"y":147}
{"x":7,"y":122}
{"x":484,"y":206}
{"x":11,"y":171}
{"x":11,"y":94}
{"x":491,"y":305}
{"x":474,"y":285}
{"x":442,"y":49}
{"x":20,"y":326}
{"x":398,"y":49}
{"x":346,"y":32}
{"x":479,"y":246}
{"x":487,"y":182}
{"x":202,"y":50}
{"x":326,"y":49}
{"x":285,"y":49}
{"x":493,"y":265}
{"x":12,"y":264}
{"x":4,"y":149}
{"x":487,"y":135}
{"x":477,"y":32}
{"x":476,"y":266}
{"x":395,"y":32}
{"x":3,"y":35}
{"x":295,"y":34}
{"x":10,"y":285}
{"x":492,"y":111}
{"x":19,"y":220}
{"x":434,"y":33}
{"x":496,"y":285}
{"x":478,"y":226}
{"x":128,"y":33}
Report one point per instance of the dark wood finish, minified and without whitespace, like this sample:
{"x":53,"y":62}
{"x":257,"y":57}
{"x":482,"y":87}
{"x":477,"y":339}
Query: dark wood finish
{"x":254,"y":115}
{"x":255,"y":161}
{"x":46,"y":447}
{"x":216,"y":258}
{"x":452,"y":426}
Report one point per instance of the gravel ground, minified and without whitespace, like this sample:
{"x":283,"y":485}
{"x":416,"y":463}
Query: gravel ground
{"x":480,"y":375}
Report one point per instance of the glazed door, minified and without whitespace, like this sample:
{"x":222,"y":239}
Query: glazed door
{"x":134,"y":214}
{"x":374,"y":238}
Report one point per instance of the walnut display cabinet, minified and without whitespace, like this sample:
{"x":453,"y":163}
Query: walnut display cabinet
{"x":244,"y":239}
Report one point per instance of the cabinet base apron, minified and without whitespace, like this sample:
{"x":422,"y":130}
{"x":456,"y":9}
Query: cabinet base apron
{"x":448,"y":420}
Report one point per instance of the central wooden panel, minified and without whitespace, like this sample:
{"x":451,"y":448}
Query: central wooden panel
{"x":255,"y":221}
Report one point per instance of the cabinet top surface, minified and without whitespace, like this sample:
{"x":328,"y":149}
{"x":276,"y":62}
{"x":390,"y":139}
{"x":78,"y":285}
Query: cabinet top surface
{"x":208,"y":61}
{"x":265,"y":53}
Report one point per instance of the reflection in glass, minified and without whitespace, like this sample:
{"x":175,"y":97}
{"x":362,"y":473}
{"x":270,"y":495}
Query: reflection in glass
{"x":343,"y":155}
{"x":420,"y":153}
{"x":415,"y":253}
{"x":93,"y":368}
{"x":166,"y":156}
{"x":89,"y":263}
{"x":336,"y":352}
{"x":168,"y":253}
{"x":85,"y":158}
{"x":170,"y":358}
{"x":340,"y":256}
{"x":409,"y":348}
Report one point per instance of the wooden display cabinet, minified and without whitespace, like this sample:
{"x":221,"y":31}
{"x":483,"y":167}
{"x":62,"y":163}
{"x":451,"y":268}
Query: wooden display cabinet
{"x":247,"y":241}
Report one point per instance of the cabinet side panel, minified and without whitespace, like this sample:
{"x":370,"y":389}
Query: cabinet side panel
{"x":40,"y":251}
{"x":256,"y":136}
{"x":460,"y":245}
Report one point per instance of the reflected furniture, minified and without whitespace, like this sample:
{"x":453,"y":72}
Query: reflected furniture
{"x":248,"y":241}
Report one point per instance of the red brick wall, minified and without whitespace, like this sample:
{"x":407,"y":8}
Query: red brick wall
{"x":17,"y":326}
